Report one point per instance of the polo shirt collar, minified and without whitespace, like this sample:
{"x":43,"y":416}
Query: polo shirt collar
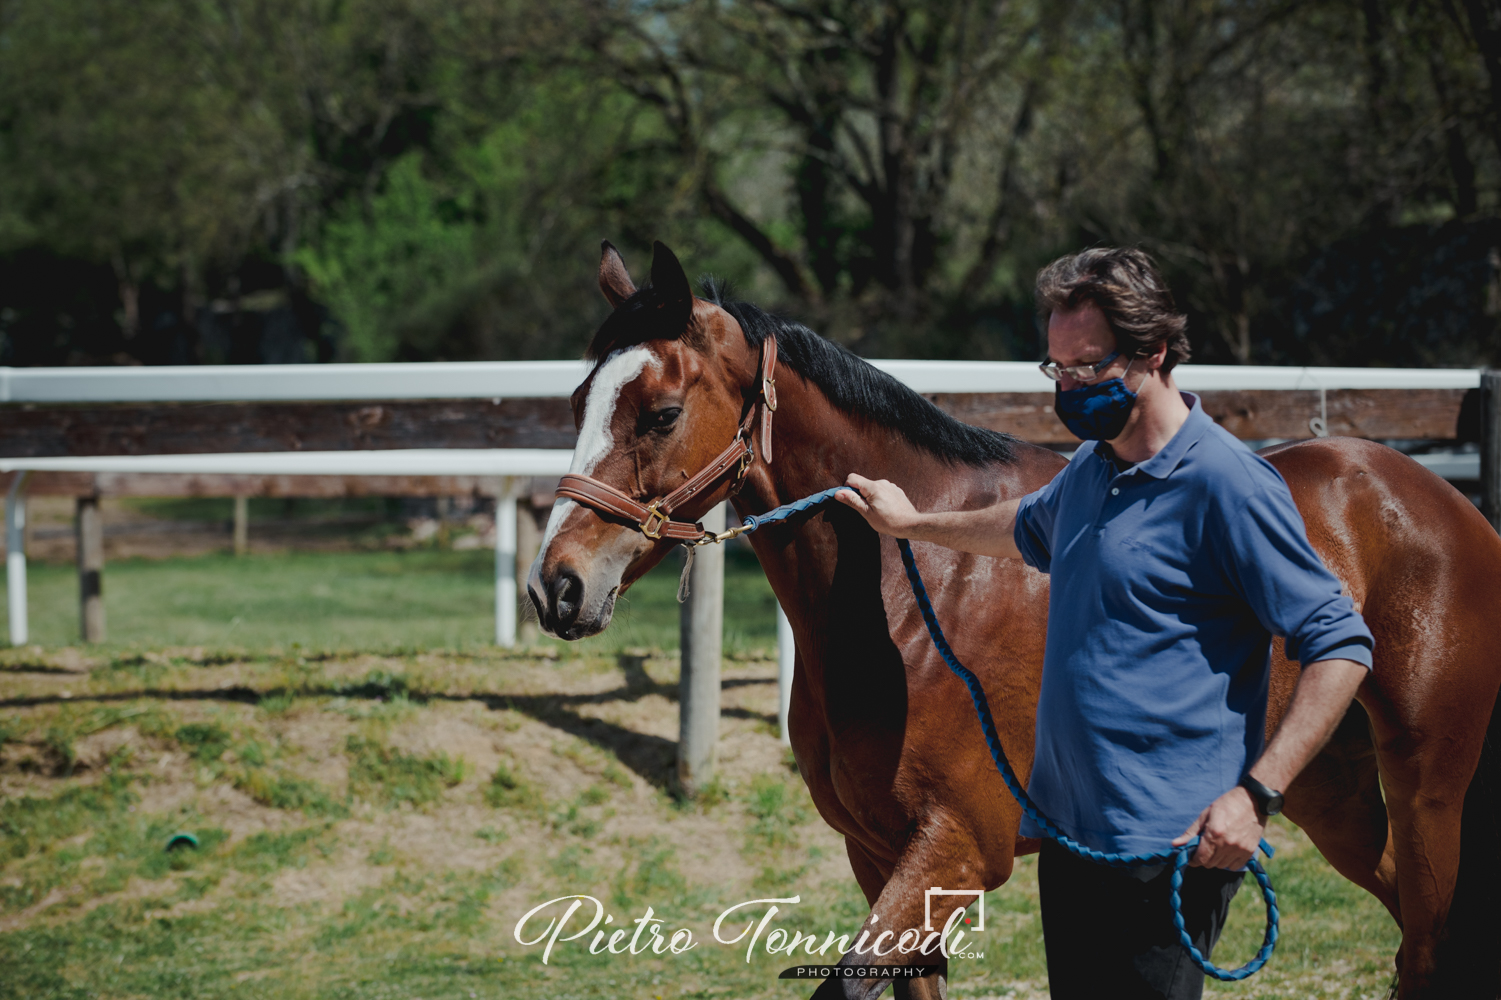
{"x":1162,"y":464}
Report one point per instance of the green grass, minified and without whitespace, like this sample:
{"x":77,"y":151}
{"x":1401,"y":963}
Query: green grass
{"x":384,"y":774}
{"x":262,"y":508}
{"x":508,"y":791}
{"x":376,"y":600}
{"x":204,"y":923}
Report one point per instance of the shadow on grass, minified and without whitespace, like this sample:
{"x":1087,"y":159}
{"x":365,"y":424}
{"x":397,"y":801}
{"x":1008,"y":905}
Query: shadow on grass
{"x":651,"y":757}
{"x":37,"y":667}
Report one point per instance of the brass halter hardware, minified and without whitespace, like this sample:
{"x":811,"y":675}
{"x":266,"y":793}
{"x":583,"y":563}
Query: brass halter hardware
{"x":654,"y":523}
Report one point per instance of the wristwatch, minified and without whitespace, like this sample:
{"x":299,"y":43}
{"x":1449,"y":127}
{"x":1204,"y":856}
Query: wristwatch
{"x":1268,"y":800}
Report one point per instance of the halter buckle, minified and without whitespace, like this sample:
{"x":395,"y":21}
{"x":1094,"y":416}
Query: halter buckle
{"x":655,"y":522}
{"x":747,"y":457}
{"x":769,"y":393}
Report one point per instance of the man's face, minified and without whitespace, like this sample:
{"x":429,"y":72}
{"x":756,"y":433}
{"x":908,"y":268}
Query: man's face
{"x":1082,"y":337}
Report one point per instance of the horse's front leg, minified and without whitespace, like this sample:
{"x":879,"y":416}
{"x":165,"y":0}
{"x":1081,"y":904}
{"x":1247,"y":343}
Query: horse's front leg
{"x":904,"y":919}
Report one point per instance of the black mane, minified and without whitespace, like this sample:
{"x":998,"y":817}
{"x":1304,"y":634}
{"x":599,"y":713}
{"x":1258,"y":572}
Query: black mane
{"x":850,"y":383}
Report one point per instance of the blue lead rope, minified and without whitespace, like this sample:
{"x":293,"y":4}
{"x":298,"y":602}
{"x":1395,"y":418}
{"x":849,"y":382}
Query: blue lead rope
{"x":1177,"y":855}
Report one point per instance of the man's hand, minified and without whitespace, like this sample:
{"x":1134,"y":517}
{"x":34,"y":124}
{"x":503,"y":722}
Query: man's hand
{"x":882,"y":503}
{"x":987,"y":531}
{"x":1229,"y":831}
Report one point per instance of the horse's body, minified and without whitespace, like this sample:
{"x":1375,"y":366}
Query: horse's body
{"x":885,"y":735}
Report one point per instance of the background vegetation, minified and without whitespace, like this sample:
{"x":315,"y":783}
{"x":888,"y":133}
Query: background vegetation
{"x":275,"y":180}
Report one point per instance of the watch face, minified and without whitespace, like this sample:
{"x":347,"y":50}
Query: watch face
{"x":1273,"y":805}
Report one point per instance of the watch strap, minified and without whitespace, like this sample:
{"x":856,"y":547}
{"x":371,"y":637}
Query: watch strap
{"x":1268,"y":800}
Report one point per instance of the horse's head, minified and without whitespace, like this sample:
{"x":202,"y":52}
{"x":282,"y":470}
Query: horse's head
{"x":672,"y":382}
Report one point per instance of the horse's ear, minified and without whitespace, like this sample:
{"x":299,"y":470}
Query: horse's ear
{"x":614,"y":279}
{"x":670,"y":282}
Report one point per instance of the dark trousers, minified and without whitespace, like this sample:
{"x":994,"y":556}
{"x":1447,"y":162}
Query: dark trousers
{"x":1110,"y":934}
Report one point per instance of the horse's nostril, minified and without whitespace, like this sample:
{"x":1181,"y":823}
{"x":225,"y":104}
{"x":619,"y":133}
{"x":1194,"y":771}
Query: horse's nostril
{"x":567,"y":597}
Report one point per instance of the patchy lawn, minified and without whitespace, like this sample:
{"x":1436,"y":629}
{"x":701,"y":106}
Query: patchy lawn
{"x":374,"y":825}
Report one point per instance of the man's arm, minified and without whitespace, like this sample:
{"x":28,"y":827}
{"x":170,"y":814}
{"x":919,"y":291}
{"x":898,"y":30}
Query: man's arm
{"x":1230,"y":829}
{"x":988,"y":531}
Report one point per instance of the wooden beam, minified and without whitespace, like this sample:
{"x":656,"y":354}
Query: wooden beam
{"x":121,"y":484}
{"x":528,"y":543}
{"x":188,"y":428}
{"x":90,"y":527}
{"x":1248,"y":414}
{"x":242,"y":524}
{"x":37,"y":431}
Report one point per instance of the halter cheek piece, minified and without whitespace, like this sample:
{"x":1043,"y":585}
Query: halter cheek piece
{"x":654,"y":520}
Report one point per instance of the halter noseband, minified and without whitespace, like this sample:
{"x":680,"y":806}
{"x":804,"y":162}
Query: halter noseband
{"x":654,"y":520}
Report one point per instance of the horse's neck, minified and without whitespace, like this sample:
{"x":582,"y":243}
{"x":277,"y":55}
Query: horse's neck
{"x":816,"y":446}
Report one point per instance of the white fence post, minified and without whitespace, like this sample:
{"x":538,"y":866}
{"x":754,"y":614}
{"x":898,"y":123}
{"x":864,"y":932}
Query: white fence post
{"x":702,"y":641}
{"x":15,"y":560}
{"x":786,"y":659}
{"x":505,"y":565}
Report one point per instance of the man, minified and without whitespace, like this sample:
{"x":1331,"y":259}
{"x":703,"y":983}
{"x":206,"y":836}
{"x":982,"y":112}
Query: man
{"x":1175,"y":553}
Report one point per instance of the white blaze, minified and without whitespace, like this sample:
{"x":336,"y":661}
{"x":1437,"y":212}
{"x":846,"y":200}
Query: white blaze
{"x":595,"y":439}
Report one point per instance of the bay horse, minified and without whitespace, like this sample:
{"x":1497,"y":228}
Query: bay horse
{"x":1403,"y":801}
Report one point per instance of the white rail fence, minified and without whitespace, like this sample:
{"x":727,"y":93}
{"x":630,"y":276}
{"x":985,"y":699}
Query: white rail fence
{"x":535,"y":379}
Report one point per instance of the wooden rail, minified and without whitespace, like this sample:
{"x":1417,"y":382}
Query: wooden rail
{"x":1255,"y":414}
{"x":55,"y":430}
{"x":33,"y":430}
{"x":133,"y":484}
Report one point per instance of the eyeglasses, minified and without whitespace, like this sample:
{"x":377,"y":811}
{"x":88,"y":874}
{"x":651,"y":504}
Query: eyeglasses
{"x":1079,"y":373}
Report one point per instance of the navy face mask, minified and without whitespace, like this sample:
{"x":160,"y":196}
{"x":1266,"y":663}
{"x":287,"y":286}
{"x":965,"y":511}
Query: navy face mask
{"x":1096,"y":411}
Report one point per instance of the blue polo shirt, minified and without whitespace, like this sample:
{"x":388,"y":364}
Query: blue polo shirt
{"x":1169,"y":580}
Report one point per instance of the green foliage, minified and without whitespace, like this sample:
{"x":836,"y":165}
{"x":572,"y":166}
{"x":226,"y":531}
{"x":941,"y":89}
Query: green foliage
{"x":285,"y":791}
{"x":405,"y":255}
{"x":777,"y":811}
{"x":28,"y":824}
{"x":206,"y":742}
{"x":651,"y":878}
{"x":266,"y":852}
{"x":894,"y":174}
{"x":384,"y":774}
{"x":506,"y":790}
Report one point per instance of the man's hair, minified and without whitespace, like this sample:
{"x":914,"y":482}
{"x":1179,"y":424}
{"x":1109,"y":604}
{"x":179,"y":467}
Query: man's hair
{"x":1125,"y":283}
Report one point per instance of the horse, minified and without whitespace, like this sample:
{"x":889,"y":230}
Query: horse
{"x":1404,"y":801}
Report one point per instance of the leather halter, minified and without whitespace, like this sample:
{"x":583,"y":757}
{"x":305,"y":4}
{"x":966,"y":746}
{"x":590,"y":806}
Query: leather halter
{"x":654,"y":520}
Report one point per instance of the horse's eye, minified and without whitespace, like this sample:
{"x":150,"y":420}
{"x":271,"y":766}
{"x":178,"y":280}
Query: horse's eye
{"x":664,"y":419}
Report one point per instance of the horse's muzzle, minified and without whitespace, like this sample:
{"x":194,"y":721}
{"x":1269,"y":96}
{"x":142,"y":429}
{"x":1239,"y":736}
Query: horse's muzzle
{"x":559,"y":602}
